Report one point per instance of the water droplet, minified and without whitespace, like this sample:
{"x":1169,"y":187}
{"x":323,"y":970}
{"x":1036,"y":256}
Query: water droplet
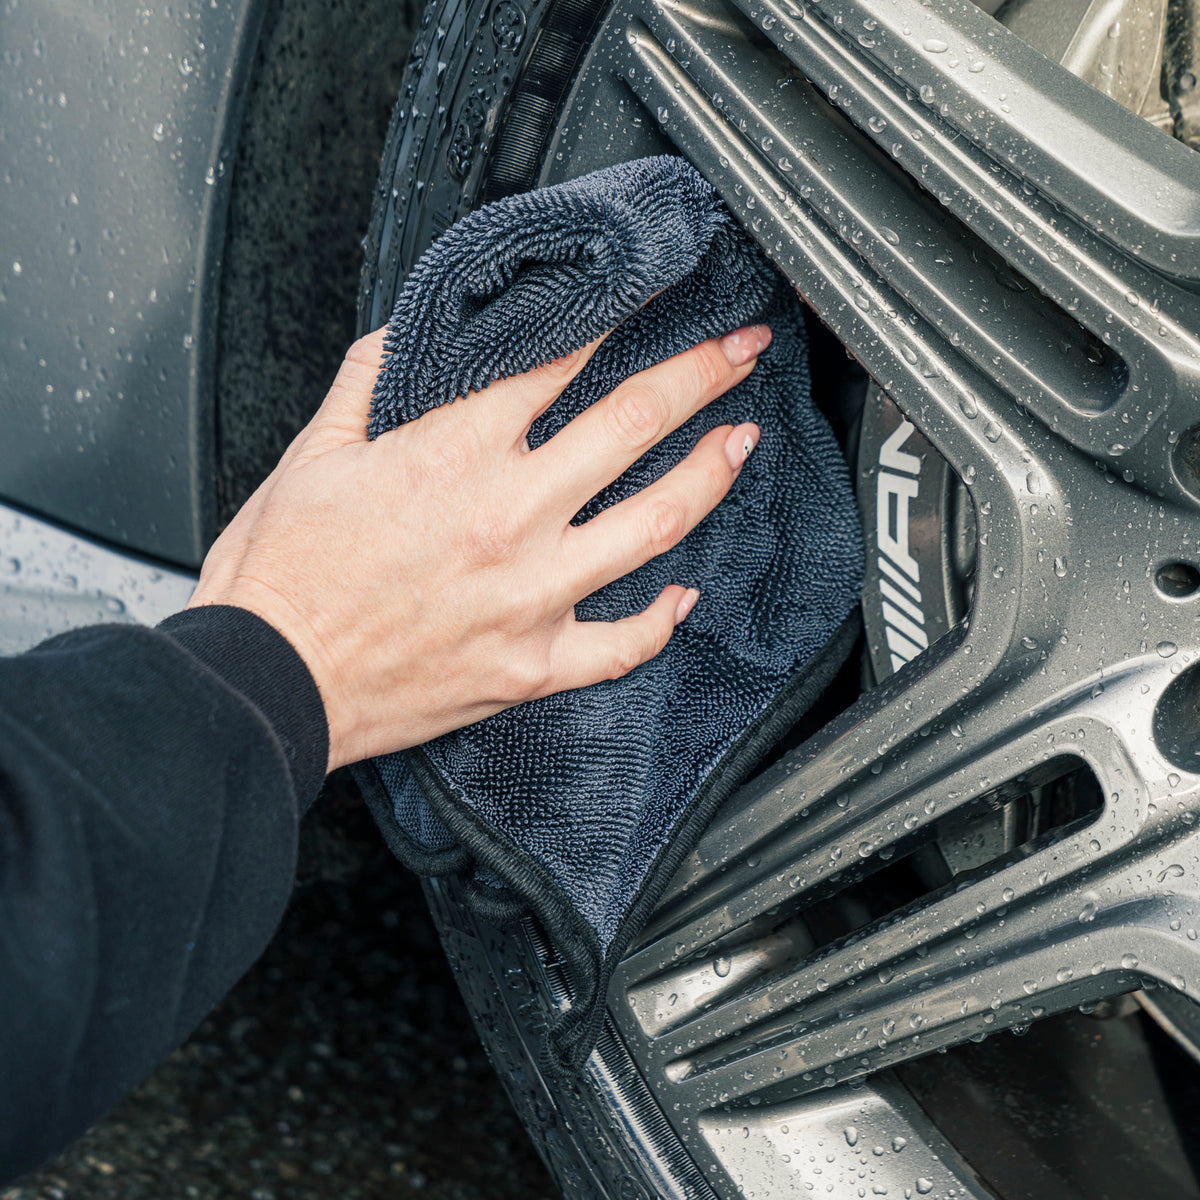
{"x":1088,"y":912}
{"x":851,"y":1135}
{"x":1060,"y":567}
{"x":1129,"y":962}
{"x":158,"y":132}
{"x":723,"y":966}
{"x":1173,"y":779}
{"x":1166,"y":649}
{"x":924,"y":1186}
{"x":1029,"y":987}
{"x":935,"y":46}
{"x":927,"y":96}
{"x":966,"y":402}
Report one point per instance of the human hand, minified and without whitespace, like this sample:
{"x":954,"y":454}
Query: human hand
{"x":428,"y":579}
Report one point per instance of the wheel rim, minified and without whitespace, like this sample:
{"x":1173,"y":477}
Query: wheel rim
{"x":1030,"y":309}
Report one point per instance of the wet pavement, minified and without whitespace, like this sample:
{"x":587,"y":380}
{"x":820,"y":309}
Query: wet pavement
{"x":343,"y":1065}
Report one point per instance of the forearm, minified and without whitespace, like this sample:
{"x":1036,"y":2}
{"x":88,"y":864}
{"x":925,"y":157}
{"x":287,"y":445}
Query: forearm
{"x":151,"y":783}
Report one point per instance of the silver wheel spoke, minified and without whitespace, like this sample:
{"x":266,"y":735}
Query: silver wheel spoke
{"x":935,"y":988}
{"x":1087,"y":336}
{"x":1082,"y":917}
{"x":1099,"y":910}
{"x":809,"y":830}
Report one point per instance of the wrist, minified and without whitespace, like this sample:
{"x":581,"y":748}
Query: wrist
{"x":251,"y":655}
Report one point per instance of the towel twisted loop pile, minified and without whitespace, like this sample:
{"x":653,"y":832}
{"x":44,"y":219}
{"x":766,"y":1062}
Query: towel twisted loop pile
{"x":576,"y":808}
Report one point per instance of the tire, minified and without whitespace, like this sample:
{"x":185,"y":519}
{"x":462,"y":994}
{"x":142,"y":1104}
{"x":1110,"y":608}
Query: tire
{"x":504,"y":94}
{"x":436,"y":167}
{"x":469,"y":125}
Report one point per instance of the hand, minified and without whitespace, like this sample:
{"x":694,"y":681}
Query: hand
{"x":428,"y":578}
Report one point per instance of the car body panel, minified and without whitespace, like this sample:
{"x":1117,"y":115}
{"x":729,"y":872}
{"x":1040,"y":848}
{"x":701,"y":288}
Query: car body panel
{"x":52,"y":581}
{"x":119,"y":122}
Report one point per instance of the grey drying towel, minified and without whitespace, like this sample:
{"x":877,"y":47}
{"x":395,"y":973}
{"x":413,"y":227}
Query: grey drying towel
{"x":577,"y":807}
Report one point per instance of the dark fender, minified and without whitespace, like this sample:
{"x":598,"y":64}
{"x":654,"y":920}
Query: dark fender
{"x":118,"y":122}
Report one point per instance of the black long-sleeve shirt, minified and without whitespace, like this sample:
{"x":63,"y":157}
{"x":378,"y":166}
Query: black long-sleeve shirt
{"x":151,"y":785}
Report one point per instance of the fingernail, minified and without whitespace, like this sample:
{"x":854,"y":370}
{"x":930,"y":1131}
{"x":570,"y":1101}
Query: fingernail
{"x":686,"y":603}
{"x":739,"y":443}
{"x":742,"y":345}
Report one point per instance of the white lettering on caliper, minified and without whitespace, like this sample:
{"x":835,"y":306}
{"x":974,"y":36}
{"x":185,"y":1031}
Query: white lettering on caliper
{"x":899,"y":573}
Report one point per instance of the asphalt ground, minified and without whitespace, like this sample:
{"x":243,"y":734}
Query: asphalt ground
{"x":343,"y":1065}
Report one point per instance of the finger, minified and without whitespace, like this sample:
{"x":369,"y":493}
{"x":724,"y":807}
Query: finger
{"x":616,"y":431}
{"x":596,"y":650}
{"x":623,"y":537}
{"x":516,"y":402}
{"x":508,"y":407}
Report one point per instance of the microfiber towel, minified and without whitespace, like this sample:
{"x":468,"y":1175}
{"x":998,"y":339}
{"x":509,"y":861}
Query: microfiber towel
{"x":576,"y":808}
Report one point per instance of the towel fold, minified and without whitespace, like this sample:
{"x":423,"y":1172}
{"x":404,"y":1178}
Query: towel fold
{"x":576,"y":808}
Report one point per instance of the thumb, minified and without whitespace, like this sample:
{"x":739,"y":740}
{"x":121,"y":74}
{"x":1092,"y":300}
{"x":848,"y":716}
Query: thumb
{"x":343,"y":413}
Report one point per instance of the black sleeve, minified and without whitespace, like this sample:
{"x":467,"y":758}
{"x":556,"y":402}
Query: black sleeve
{"x":151,"y":784}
